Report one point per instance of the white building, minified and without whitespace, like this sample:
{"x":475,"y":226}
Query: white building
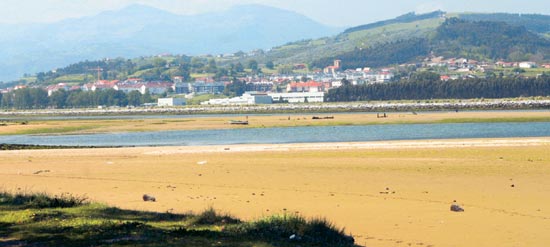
{"x":384,"y":77}
{"x":248,"y":98}
{"x":527,"y":65}
{"x":155,"y":87}
{"x":310,"y":97}
{"x":127,"y":88}
{"x":171,"y":102}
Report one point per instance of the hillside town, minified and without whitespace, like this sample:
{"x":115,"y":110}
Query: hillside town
{"x":308,"y":87}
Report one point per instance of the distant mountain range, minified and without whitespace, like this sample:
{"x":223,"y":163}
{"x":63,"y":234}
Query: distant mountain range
{"x":140,"y":30}
{"x":144,"y":31}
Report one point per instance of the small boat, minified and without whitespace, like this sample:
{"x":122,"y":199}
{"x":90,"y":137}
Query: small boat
{"x":237,"y":122}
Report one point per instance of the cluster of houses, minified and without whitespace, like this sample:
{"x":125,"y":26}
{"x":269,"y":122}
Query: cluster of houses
{"x":296,"y":88}
{"x":465,"y":65}
{"x":127,"y":86}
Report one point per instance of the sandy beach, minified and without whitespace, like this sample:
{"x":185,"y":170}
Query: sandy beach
{"x":384,"y":193}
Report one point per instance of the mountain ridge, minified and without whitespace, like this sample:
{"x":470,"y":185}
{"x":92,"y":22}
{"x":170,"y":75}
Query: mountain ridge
{"x":141,"y":30}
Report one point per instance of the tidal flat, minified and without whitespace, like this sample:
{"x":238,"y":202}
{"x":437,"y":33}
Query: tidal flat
{"x":139,"y":124}
{"x":384,"y":193}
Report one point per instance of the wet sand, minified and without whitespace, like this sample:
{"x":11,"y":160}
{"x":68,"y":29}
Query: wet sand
{"x":384,"y":193}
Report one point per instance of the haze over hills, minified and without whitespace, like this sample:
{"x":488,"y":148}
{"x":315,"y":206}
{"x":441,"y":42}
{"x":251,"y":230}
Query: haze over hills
{"x":144,"y":31}
{"x":140,"y":30}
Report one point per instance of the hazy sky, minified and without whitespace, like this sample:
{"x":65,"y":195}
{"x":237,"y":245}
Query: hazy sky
{"x":330,"y":12}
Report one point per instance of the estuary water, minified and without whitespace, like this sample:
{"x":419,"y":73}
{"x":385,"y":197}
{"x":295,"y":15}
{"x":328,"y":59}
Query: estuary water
{"x":292,"y":135}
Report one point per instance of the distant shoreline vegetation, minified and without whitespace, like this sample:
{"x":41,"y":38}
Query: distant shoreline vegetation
{"x":6,"y":147}
{"x":425,"y":85}
{"x":533,"y":103}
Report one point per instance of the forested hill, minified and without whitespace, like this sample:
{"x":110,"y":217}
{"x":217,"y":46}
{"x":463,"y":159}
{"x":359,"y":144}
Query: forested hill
{"x":397,"y":52}
{"x":406,"y":18}
{"x":485,"y":39}
{"x":480,"y":40}
{"x":533,"y":22}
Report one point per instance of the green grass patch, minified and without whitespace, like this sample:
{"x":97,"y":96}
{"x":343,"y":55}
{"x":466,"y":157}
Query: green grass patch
{"x":179,"y":120}
{"x":42,"y":220}
{"x":287,"y":47}
{"x":75,"y":78}
{"x":429,"y":24}
{"x":55,"y":130}
{"x":201,"y":75}
{"x":140,"y":73}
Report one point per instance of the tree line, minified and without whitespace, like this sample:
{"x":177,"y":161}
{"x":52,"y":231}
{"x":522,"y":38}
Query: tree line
{"x":148,"y":69}
{"x":37,"y":98}
{"x":427,"y":85}
{"x":533,"y":22}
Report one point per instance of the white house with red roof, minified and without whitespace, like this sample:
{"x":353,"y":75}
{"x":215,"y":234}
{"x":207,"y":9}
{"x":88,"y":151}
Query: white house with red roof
{"x":53,"y":88}
{"x":133,"y":80}
{"x":155,"y":87}
{"x":310,"y":86}
{"x":128,"y":87}
{"x":101,"y":87}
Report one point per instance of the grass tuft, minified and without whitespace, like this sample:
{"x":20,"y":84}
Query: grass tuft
{"x":314,"y":232}
{"x":211,"y":217}
{"x":41,"y":200}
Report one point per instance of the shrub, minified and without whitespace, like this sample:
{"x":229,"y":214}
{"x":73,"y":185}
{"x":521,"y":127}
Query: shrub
{"x":42,"y":200}
{"x":317,"y":232}
{"x":211,"y":217}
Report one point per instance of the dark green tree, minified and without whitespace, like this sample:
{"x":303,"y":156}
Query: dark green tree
{"x":211,"y":67}
{"x":236,"y":88}
{"x":270,"y":65}
{"x":58,"y":99}
{"x":253,"y":65}
{"x":239,"y":67}
{"x":134,"y":98}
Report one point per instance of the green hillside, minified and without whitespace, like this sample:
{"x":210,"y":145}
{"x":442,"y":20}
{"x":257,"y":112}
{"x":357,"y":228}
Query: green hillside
{"x":406,"y":18}
{"x":307,"y":51}
{"x":521,"y":35}
{"x":488,"y":40}
{"x":480,"y":40}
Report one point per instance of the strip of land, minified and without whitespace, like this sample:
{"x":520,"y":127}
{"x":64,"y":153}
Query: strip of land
{"x":533,"y":103}
{"x":384,"y":193}
{"x":87,"y":126}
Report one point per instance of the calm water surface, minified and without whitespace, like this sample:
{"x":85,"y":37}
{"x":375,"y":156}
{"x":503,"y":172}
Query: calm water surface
{"x":292,"y":135}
